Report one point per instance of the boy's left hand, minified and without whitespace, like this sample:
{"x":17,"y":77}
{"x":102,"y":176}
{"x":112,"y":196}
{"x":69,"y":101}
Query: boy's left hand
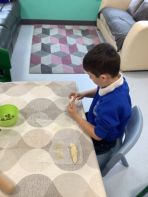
{"x":72,"y":110}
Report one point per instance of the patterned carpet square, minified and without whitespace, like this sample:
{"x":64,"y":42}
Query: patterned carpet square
{"x":59,"y":49}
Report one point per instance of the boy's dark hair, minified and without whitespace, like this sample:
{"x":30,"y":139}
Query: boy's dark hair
{"x":102,"y":59}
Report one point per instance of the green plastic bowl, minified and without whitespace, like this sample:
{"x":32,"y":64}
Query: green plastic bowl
{"x":8,"y":115}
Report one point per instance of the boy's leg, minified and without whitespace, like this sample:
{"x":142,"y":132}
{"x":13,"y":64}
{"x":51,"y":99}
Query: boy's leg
{"x":102,"y":147}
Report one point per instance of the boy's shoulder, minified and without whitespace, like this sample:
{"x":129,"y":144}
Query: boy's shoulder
{"x":118,"y":95}
{"x":119,"y":90}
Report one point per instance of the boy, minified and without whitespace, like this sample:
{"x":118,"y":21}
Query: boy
{"x":111,"y":105}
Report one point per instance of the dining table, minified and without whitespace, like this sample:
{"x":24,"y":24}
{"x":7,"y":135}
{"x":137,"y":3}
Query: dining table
{"x":46,"y":153}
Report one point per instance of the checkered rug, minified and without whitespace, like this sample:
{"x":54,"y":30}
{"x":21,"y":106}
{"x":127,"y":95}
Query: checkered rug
{"x":60,"y":49}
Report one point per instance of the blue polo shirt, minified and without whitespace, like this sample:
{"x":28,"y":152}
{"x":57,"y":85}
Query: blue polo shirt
{"x":109,"y":112}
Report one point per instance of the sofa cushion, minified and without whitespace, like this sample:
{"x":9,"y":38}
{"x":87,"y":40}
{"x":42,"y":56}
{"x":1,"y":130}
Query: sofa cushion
{"x":133,"y":6}
{"x":9,"y":14}
{"x":119,"y":22}
{"x":5,"y":37}
{"x":9,"y":24}
{"x":142,"y":12}
{"x":4,"y":1}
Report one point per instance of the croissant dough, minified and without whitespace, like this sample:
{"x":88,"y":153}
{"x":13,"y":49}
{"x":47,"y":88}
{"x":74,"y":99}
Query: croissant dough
{"x":74,"y":153}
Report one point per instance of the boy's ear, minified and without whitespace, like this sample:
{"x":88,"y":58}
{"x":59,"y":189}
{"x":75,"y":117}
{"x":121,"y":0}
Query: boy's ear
{"x":103,"y":77}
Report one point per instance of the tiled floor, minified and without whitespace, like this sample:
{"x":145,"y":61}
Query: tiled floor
{"x":121,"y":181}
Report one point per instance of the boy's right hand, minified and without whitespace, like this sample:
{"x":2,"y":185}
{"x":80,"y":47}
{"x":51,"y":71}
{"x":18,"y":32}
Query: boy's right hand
{"x":76,"y":95}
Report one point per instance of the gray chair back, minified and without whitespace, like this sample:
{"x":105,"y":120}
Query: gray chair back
{"x":124,"y":144}
{"x":133,"y":130}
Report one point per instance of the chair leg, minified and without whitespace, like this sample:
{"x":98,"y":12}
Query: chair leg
{"x":124,"y":161}
{"x":105,"y":171}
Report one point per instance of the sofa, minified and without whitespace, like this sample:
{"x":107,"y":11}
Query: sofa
{"x":10,"y":18}
{"x":124,"y":24}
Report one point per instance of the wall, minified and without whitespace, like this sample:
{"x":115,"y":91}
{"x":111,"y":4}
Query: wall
{"x":77,"y":10}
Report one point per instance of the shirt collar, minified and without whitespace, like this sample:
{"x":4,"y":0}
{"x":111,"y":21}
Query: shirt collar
{"x":111,"y":87}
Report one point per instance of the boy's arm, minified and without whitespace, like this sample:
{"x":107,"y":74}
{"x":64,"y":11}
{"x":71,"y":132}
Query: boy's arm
{"x":87,"y":127}
{"x":81,"y":95}
{"x":84,"y":124}
{"x":89,"y":93}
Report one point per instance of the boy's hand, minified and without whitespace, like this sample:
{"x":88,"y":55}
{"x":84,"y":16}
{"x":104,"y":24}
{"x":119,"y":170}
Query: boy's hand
{"x":72,"y":110}
{"x":76,"y":95}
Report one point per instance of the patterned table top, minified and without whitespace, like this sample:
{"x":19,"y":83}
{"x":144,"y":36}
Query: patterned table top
{"x":35,"y":153}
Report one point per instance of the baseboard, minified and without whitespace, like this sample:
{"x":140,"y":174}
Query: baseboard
{"x":56,"y":22}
